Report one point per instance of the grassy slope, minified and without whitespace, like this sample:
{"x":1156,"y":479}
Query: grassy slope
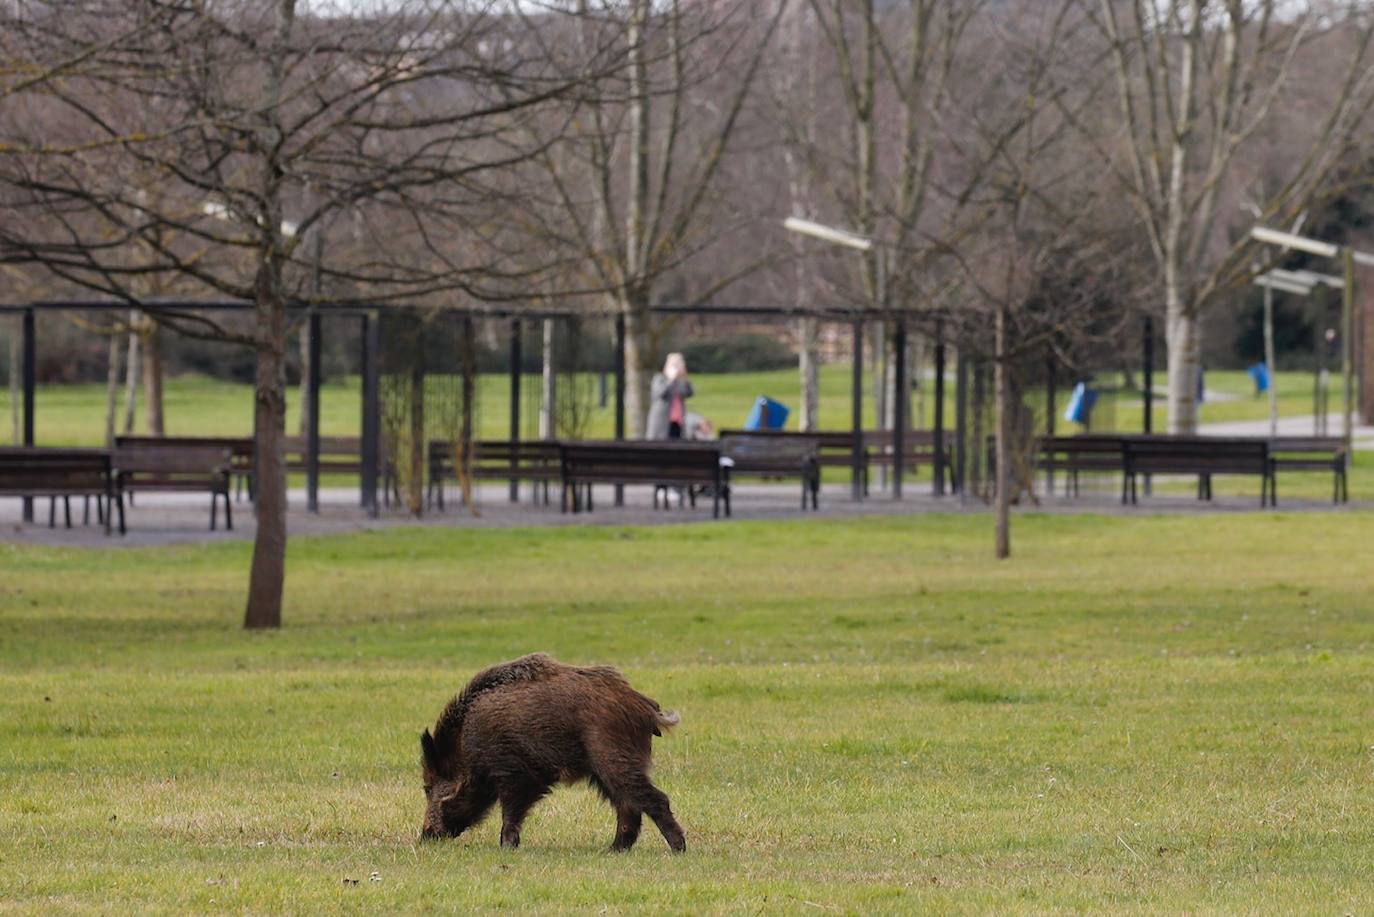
{"x":1148,"y":714}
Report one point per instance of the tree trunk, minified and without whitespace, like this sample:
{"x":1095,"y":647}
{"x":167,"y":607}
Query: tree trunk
{"x":267,"y":578}
{"x":548,"y":410}
{"x":152,"y":377}
{"x":131,"y":376}
{"x":1183,"y":333}
{"x":1001,"y":411}
{"x":809,"y":417}
{"x":639,"y":368}
{"x":112,"y":389}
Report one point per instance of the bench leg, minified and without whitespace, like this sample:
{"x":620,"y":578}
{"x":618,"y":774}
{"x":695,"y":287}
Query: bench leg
{"x":67,"y":511}
{"x":228,"y":513}
{"x":214,"y":508}
{"x":119,"y":502}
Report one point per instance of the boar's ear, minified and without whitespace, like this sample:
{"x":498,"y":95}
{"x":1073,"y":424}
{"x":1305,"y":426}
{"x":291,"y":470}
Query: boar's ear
{"x":429,"y":751}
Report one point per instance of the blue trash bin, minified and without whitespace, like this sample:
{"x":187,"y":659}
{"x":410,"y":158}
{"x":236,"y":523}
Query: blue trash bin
{"x":767,"y":414}
{"x":1080,"y":409}
{"x":1260,"y":374}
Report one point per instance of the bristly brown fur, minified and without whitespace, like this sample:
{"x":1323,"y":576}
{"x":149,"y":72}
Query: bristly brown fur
{"x":449,"y":727}
{"x":522,"y":726}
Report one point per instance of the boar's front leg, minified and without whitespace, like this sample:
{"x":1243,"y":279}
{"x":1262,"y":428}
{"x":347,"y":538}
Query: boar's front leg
{"x":627,"y":822}
{"x":517,"y":798}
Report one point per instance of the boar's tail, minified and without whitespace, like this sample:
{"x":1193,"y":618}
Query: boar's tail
{"x":666,"y":719}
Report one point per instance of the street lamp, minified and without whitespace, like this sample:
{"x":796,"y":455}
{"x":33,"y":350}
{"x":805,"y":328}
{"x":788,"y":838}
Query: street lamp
{"x":847,"y":239}
{"x":1299,"y":283}
{"x":1349,"y":258}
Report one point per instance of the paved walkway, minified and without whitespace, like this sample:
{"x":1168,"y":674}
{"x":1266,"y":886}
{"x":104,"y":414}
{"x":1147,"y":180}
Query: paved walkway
{"x":1291,"y":426}
{"x":162,"y":519}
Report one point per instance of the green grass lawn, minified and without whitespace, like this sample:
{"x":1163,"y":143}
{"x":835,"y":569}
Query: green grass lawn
{"x":197,"y":406}
{"x":1151,"y":715}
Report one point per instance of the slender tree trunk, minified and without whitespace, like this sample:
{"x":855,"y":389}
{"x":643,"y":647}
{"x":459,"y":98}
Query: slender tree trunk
{"x":1001,"y":411}
{"x":131,"y":376}
{"x":639,"y":356}
{"x":548,"y":412}
{"x":1183,"y":333}
{"x":112,"y":388}
{"x":639,"y":369}
{"x":267,"y":578}
{"x":152,"y":377}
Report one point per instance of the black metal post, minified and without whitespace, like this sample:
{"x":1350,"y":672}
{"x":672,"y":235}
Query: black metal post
{"x":1148,"y":380}
{"x":857,"y":413}
{"x":372,"y":412}
{"x":312,"y":432}
{"x":516,"y":359}
{"x":961,"y":426}
{"x":29,"y":371}
{"x":1148,"y":374}
{"x":938,"y":438}
{"x":899,"y":417}
{"x":1050,"y":382}
{"x":619,"y":394}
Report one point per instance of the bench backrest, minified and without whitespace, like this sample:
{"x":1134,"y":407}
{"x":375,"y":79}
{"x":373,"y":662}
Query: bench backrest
{"x":240,"y":448}
{"x":162,"y":460}
{"x":644,"y":462}
{"x":32,"y":470}
{"x":749,"y":451}
{"x":1082,"y":445}
{"x":1332,"y":446}
{"x":1197,"y":454}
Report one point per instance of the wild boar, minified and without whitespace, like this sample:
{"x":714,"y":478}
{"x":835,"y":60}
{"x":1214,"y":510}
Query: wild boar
{"x":522,"y":726}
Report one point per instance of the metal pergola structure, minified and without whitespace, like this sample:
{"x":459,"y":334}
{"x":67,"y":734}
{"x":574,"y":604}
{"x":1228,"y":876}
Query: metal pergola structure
{"x":370,"y":370}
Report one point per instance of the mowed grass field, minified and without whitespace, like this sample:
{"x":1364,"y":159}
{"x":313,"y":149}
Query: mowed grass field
{"x":1136,"y":715}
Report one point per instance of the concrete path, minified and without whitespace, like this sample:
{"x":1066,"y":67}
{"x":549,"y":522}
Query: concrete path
{"x":1290,"y":426}
{"x":165,"y":519}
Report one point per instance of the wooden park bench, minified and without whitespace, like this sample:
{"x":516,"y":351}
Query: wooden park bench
{"x":240,"y":449}
{"x":537,"y":461}
{"x":27,"y":471}
{"x":1203,"y":456}
{"x":1314,"y":453}
{"x":834,"y":448}
{"x":694,"y":467}
{"x":1075,"y":454}
{"x":775,"y":457}
{"x":150,"y":464}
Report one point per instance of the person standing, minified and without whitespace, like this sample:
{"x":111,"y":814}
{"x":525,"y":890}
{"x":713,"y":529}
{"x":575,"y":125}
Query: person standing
{"x":668,"y":394}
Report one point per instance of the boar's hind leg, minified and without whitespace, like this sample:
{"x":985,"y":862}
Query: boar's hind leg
{"x":636,"y":793}
{"x":654,"y":803}
{"x":517,"y":798}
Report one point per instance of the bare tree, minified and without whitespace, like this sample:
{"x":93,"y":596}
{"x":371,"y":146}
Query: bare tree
{"x":629,"y":194}
{"x":1196,"y":81}
{"x":260,"y":124}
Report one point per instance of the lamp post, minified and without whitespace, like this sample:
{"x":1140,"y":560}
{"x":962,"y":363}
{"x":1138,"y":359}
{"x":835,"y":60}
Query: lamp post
{"x":1349,"y":258}
{"x":847,"y":239}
